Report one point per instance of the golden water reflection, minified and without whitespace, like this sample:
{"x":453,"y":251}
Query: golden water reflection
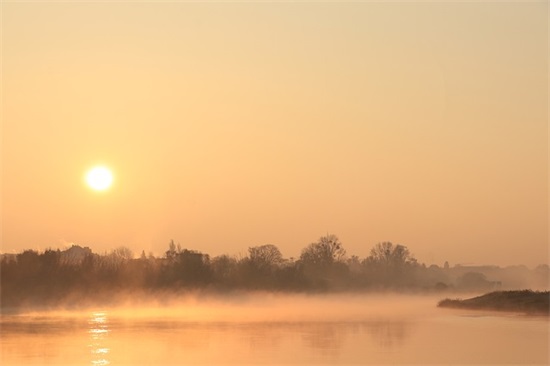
{"x":98,"y":329}
{"x":106,"y":338}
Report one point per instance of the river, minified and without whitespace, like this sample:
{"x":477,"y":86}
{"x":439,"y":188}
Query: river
{"x":274,"y":331}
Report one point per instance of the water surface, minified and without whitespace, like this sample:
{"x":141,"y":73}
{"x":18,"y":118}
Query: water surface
{"x":162,"y":336}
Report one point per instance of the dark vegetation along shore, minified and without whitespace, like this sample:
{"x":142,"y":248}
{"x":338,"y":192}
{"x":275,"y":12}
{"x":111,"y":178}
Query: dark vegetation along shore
{"x":79,"y":277}
{"x":525,"y":301}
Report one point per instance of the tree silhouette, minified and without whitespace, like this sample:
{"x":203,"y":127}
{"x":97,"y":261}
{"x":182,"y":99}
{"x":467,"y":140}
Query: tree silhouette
{"x":323,"y":264}
{"x":224,"y":269}
{"x":265,"y":256}
{"x":390,"y":264}
{"x":324,"y":252}
{"x":390,"y":255}
{"x":78,"y":274}
{"x":193,"y":267}
{"x":172,"y":251}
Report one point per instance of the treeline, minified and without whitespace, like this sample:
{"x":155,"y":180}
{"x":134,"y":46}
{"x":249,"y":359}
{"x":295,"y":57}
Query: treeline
{"x":76,"y":274}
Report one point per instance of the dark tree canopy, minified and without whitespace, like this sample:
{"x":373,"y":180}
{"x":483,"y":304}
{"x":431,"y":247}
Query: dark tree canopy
{"x":387,"y":254}
{"x":77,"y":274}
{"x":265,"y":256}
{"x":391,"y":265}
{"x":327,"y":250}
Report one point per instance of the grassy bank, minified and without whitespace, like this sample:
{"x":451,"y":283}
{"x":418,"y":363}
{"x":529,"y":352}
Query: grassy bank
{"x":525,"y":301}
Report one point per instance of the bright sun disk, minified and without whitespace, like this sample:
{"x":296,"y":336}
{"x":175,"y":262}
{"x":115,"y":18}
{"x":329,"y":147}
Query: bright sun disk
{"x":99,"y":178}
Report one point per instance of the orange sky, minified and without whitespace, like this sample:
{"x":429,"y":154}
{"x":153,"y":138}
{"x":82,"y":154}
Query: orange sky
{"x":229,"y":125}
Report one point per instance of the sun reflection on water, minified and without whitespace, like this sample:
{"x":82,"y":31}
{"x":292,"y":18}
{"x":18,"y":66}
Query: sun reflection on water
{"x":99,"y":330}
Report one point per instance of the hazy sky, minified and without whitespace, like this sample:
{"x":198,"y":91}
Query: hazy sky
{"x":230,"y":125}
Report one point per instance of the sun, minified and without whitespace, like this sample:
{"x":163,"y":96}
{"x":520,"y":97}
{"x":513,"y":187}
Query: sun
{"x":99,"y":178}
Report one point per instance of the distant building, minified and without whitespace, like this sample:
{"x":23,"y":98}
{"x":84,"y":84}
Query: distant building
{"x":75,"y":254}
{"x":8,"y":257}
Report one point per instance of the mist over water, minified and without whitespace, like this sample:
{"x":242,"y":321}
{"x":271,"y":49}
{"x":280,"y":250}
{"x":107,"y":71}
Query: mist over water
{"x":184,"y":157}
{"x":272,"y":328}
{"x":259,"y":307}
{"x":77,"y":307}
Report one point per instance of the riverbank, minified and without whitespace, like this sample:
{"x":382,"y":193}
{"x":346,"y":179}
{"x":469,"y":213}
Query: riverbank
{"x":524,"y":301}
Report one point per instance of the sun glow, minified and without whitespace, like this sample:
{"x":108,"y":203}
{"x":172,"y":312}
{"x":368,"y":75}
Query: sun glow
{"x":99,"y":178}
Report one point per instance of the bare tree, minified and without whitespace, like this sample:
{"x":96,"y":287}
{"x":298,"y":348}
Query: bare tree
{"x":327,"y":250}
{"x":390,"y":264}
{"x":173,"y":250}
{"x":265,"y":256}
{"x":390,"y":255}
{"x":122,"y":253}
